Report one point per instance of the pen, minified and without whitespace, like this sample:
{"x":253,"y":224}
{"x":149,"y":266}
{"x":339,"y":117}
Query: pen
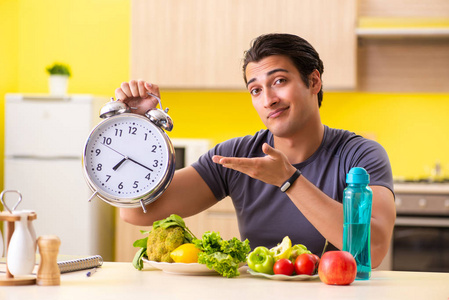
{"x":91,"y":272}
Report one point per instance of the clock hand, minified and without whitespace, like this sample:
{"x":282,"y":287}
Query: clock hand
{"x":114,"y":150}
{"x":119,"y":163}
{"x":125,"y":158}
{"x":136,"y":162}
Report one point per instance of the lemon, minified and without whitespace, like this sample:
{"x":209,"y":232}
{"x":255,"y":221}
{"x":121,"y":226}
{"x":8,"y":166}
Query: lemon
{"x":282,"y":250}
{"x":186,"y":253}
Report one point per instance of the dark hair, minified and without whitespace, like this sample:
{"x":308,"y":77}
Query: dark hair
{"x":303,"y":55}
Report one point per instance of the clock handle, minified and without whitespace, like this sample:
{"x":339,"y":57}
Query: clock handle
{"x":158,"y":99}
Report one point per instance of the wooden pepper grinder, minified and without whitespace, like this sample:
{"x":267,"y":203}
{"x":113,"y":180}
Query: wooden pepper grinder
{"x":48,"y":272}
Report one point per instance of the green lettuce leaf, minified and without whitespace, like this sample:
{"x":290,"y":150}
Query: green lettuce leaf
{"x":223,"y":256}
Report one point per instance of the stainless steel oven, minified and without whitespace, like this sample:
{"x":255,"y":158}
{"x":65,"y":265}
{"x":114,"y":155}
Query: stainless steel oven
{"x":421,"y":235}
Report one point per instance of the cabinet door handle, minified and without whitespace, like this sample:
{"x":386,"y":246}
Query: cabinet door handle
{"x":422,"y":202}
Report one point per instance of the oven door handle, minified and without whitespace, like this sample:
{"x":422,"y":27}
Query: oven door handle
{"x":424,"y":222}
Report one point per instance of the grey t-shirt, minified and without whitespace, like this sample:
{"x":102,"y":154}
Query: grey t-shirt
{"x":265,"y":214}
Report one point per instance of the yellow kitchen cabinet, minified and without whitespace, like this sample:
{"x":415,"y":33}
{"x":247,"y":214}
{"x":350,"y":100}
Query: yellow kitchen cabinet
{"x":200,"y":43}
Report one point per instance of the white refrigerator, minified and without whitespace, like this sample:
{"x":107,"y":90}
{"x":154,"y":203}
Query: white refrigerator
{"x":44,"y":139}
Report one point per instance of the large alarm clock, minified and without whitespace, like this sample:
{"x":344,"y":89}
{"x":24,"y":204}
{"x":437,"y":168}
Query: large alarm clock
{"x":128,"y":159}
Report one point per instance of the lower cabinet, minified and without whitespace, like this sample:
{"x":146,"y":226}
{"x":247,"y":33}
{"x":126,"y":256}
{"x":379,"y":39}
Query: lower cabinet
{"x":221,"y":218}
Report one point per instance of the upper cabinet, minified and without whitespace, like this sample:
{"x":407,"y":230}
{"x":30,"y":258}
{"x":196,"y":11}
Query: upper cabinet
{"x":403,"y":18}
{"x":199,"y":44}
{"x":403,"y":46}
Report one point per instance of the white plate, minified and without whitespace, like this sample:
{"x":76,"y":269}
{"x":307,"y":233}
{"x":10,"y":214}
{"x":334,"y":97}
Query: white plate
{"x":283,"y":277}
{"x":180,"y":268}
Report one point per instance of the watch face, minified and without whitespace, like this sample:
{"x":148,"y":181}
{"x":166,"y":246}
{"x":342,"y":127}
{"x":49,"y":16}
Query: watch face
{"x":128,"y":158}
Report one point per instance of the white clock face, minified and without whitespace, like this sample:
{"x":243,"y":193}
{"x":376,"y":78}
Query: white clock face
{"x":127,"y":157}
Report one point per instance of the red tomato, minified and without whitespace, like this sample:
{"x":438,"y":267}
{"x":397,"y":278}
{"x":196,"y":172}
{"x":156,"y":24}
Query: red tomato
{"x":306,"y":264}
{"x":283,"y":266}
{"x":317,"y":260}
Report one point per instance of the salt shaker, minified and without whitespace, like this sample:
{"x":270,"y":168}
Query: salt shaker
{"x":48,"y":272}
{"x":21,"y":255}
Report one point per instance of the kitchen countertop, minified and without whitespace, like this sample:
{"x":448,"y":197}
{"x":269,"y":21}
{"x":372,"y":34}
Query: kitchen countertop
{"x":421,"y":188}
{"x":121,"y":281}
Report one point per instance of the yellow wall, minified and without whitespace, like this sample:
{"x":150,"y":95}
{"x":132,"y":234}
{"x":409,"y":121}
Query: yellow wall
{"x":93,"y":37}
{"x":413,"y":128}
{"x":9,"y":29}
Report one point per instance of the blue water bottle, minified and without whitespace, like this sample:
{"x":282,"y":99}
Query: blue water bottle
{"x":357,"y":203}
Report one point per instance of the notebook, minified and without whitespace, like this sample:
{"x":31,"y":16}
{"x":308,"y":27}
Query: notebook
{"x":80,"y":264}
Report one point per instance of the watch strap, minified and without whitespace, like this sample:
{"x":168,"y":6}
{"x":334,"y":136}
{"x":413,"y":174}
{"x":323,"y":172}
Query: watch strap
{"x":290,"y":181}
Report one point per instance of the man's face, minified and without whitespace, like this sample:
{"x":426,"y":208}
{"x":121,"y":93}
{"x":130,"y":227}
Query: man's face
{"x":280,"y":97}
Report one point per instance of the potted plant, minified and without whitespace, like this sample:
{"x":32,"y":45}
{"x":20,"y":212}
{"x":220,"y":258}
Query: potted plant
{"x":59,"y":77}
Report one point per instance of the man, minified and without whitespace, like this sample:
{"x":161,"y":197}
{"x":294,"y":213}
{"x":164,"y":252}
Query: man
{"x":282,"y":73}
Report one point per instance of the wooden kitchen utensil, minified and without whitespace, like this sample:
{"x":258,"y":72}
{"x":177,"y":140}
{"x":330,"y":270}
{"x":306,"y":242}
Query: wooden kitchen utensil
{"x":48,"y":272}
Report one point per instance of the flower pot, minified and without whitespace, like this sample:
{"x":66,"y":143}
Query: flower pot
{"x":58,"y":84}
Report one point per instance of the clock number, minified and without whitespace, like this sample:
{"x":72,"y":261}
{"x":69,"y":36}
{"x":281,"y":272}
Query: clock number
{"x":109,"y":177}
{"x":120,"y":185}
{"x":132,"y":130}
{"x":148,"y":176}
{"x":99,"y":167}
{"x":136,"y":184}
{"x":156,"y":163}
{"x":146,"y":136}
{"x":97,"y":151}
{"x":154,"y":148}
{"x":118,"y":132}
{"x":107,"y":141}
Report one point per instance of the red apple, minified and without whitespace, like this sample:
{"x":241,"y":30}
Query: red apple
{"x":337,"y":267}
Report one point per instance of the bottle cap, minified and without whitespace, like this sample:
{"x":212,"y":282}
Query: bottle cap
{"x":358,"y":176}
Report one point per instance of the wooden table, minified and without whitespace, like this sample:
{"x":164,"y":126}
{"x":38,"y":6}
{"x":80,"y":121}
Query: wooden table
{"x":121,"y":281}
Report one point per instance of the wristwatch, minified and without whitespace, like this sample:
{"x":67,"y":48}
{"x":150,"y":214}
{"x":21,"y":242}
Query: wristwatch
{"x":290,"y":181}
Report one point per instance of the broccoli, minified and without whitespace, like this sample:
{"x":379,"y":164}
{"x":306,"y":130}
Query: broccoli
{"x":161,"y":242}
